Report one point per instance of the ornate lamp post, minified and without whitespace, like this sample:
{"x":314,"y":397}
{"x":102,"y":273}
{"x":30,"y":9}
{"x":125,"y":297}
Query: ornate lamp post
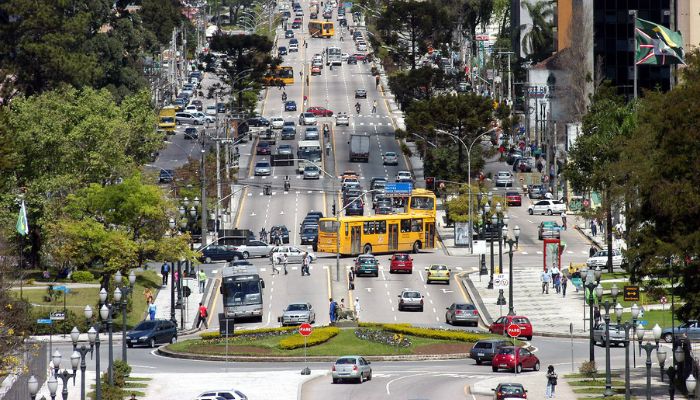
{"x":511,"y":242}
{"x":648,"y":348}
{"x":126,"y":291}
{"x":590,"y":285}
{"x":33,"y":386}
{"x":608,"y":380}
{"x":106,"y":314}
{"x":82,"y":352}
{"x":94,"y":336}
{"x":627,"y":326}
{"x":65,"y":376}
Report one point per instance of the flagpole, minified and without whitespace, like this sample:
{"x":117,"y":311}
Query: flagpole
{"x":21,"y":269}
{"x":634,"y":57}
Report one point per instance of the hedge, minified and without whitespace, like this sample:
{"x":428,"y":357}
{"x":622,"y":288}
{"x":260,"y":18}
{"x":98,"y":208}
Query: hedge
{"x":82,"y":276}
{"x":440,"y":334}
{"x":318,"y":336}
{"x":248,"y":332}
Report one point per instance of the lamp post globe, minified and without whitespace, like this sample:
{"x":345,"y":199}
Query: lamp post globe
{"x":118,"y":277}
{"x":103,"y":296}
{"x":92,"y":335}
{"x":656,"y":331}
{"x":614,"y":291}
{"x":599,"y":291}
{"x":52,"y":384}
{"x":75,"y":360}
{"x":132,"y":277}
{"x":618,"y":311}
{"x":75,"y":335}
{"x":33,"y":386}
{"x":87,"y":311}
{"x":690,"y":385}
{"x":635,"y":311}
{"x":679,"y":355}
{"x":117,"y":295}
{"x":487,"y":208}
{"x":56,"y":358}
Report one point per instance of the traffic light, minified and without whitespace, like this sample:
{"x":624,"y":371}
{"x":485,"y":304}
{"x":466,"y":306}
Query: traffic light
{"x":333,"y":208}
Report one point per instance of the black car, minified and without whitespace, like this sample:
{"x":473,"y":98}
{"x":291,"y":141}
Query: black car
{"x":282,"y":51}
{"x":151,"y":333}
{"x":352,"y":60}
{"x":289,"y":34}
{"x":166,"y":176}
{"x":288,"y":133}
{"x":279,"y":231}
{"x":355,"y":208}
{"x":309,"y":234}
{"x":258,"y":121}
{"x":484,"y":350}
{"x":191,"y":133}
{"x":221,"y":108}
{"x":316,"y":214}
{"x":216,"y":252}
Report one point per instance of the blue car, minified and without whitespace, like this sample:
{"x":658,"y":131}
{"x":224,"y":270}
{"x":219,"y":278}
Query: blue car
{"x":290,"y":105}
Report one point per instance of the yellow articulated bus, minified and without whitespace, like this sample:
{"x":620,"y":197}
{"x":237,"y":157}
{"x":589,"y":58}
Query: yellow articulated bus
{"x":321,"y":29}
{"x":284,"y":74}
{"x":411,"y":230}
{"x":166,"y":120}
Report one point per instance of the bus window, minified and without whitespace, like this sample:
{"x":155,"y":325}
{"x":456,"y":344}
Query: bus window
{"x":416,"y":225}
{"x":422,"y":203}
{"x":405,"y":225}
{"x":374,"y":227}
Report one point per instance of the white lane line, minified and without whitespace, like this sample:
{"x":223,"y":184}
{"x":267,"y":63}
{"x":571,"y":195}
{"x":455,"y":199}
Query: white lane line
{"x":431,"y":301}
{"x":383,"y":275}
{"x":427,"y":294}
{"x":421,"y":276}
{"x":434,"y":310}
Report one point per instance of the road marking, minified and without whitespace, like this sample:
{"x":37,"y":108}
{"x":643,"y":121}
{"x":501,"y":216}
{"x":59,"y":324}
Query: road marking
{"x":388,"y":392}
{"x":369,"y":289}
{"x":446,"y":291}
{"x":427,"y":294}
{"x":421,"y":276}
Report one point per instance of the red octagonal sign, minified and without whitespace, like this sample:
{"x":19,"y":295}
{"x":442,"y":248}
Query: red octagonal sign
{"x":305,"y":329}
{"x":514,"y":330}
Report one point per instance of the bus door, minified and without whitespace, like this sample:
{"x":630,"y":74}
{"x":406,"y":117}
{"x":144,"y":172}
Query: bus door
{"x":429,"y":235}
{"x":355,"y":240}
{"x":393,"y":237}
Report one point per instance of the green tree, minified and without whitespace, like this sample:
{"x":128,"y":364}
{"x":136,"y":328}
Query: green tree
{"x":538,"y":42}
{"x":160,"y":17}
{"x":416,"y":84}
{"x":660,"y":165}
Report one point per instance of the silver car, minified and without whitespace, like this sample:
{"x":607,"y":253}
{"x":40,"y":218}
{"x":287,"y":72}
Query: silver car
{"x":410,"y":299}
{"x":342,"y":119}
{"x":462,"y":312}
{"x":255,"y":248}
{"x":311,"y":172}
{"x":294,"y":254}
{"x":284,"y":149}
{"x":617,"y":334}
{"x":263,"y":168}
{"x":188,"y":119}
{"x":354,"y":368}
{"x":307,"y":118}
{"x":390,"y":158}
{"x":504,"y":178}
{"x":297,"y":314}
{"x":311,"y":133}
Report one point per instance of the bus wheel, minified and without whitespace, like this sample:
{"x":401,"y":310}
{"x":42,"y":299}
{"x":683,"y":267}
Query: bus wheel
{"x":416,"y":247}
{"x":367,"y":249}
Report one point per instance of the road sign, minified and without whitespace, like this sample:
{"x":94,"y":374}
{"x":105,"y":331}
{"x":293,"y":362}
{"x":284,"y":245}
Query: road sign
{"x":61,"y":288}
{"x":631,"y":293}
{"x":44,"y":321}
{"x":514,"y":330}
{"x":398,"y":188}
{"x":481,"y":38}
{"x":57,"y":316}
{"x":643,"y":322}
{"x":500,"y":281}
{"x":305,"y":329}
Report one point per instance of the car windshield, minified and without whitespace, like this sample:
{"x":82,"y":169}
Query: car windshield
{"x":145,"y":326}
{"x":345,"y":361}
{"x":297,"y":307}
{"x":242,"y":291}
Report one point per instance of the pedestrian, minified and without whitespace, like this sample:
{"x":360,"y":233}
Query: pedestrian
{"x":376,"y":81}
{"x":342,"y":304}
{"x":164,"y":270}
{"x":551,"y":382}
{"x":592,"y":251}
{"x":332,"y":310}
{"x":545,"y":277}
{"x":594,"y":228}
{"x":328,"y":148}
{"x":596,"y":315}
{"x":202,"y":279}
{"x":148,"y":295}
{"x":284,"y":262}
{"x":374,"y":106}
{"x":202,"y":315}
{"x":176,"y":278}
{"x":564,"y":282}
{"x":263,"y":235}
{"x":563,"y":219}
{"x":274,"y":268}
{"x":557,"y":282}
{"x":357,"y":308}
{"x":152,"y":310}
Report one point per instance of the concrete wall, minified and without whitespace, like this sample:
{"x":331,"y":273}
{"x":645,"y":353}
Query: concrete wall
{"x":688,"y":24}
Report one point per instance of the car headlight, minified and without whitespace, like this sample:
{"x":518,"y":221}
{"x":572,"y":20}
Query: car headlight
{"x":143,"y":338}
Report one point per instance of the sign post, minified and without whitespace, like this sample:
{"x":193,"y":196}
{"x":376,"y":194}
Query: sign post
{"x":305,"y":330}
{"x":514,"y":331}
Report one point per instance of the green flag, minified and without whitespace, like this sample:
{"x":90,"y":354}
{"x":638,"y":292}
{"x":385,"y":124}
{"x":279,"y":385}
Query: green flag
{"x":22,"y":224}
{"x":657,"y":45}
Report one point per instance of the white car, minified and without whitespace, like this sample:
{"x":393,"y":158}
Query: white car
{"x":504,"y":178}
{"x":255,"y":248}
{"x":277,"y":122}
{"x":600,"y":259}
{"x":344,"y":57}
{"x":228,"y":394}
{"x":342,"y":119}
{"x":307,"y":118}
{"x":211,"y":110}
{"x":294,"y":254}
{"x":548,"y":207}
{"x":191,"y":109}
{"x":404,"y":176}
{"x":205,"y":117}
{"x":362,"y":46}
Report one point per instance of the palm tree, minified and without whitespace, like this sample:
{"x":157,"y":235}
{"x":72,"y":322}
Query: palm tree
{"x":538,"y":42}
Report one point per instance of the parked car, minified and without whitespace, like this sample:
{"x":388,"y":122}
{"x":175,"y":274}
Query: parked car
{"x":617,"y":334}
{"x":320,"y":111}
{"x":548,"y":229}
{"x":211,"y":109}
{"x":515,"y":358}
{"x":360,"y":93}
{"x":690,"y":329}
{"x":355,"y":368}
{"x":401,"y":262}
{"x":342,"y":119}
{"x":513,"y":199}
{"x":218,"y":252}
{"x":548,"y":207}
{"x":290,"y":105}
{"x":410,"y":299}
{"x":502,"y":324}
{"x":437,"y":272}
{"x":231,"y":394}
{"x":367,"y":264}
{"x":151,"y":333}
{"x":220,"y":108}
{"x":297,"y":314}
{"x":509,"y":391}
{"x":485,"y":350}
{"x":294,"y":254}
{"x":254,"y":248}
{"x":263,"y":168}
{"x":458,"y":313}
{"x":166,"y":176}
{"x":504,"y":178}
{"x":600,"y":259}
{"x":390,"y":158}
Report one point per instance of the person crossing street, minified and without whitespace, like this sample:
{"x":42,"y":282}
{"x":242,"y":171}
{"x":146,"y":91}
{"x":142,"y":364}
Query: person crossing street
{"x":374,"y":106}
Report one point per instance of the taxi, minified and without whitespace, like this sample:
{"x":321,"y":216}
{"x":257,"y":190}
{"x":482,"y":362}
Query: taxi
{"x":438,"y":272}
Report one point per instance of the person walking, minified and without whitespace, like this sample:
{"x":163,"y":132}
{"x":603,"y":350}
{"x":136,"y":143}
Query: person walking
{"x":275,"y":269}
{"x":596,"y":315}
{"x":592,"y":251}
{"x":284,"y":262}
{"x":202,"y":315}
{"x":557,"y":282}
{"x":164,"y":270}
{"x":202,"y":280}
{"x":564,"y":282}
{"x":563,"y":219}
{"x":357,"y":308}
{"x":376,"y":81}
{"x":332,"y":310}
{"x":263,"y":235}
{"x":148,"y":295}
{"x":546,"y":278}
{"x":152,"y":310}
{"x":374,"y":106}
{"x":594,"y":228}
{"x":551,"y":382}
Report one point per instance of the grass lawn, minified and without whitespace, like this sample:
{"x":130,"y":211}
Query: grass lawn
{"x":597,"y":382}
{"x":643,"y":298}
{"x":77,"y":299}
{"x":344,"y":343}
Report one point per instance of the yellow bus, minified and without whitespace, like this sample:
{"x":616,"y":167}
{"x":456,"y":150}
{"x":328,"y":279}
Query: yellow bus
{"x":411,"y":230}
{"x":321,"y":29}
{"x":284,"y":74}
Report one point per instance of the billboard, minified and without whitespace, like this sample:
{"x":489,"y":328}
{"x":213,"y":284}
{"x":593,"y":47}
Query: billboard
{"x":461,"y":234}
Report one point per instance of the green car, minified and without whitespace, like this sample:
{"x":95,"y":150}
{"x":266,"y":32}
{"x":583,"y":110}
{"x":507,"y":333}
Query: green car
{"x":366,"y":264}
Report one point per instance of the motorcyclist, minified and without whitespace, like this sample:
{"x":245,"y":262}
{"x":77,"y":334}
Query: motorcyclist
{"x":286,"y":183}
{"x":284,"y":96}
{"x":357,"y":107}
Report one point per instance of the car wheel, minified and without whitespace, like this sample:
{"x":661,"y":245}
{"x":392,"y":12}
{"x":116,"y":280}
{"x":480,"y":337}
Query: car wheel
{"x":236,"y":257}
{"x":207,"y":260}
{"x":529,"y":211}
{"x":173,"y":339}
{"x":536,"y":367}
{"x":518,"y":368}
{"x":549,"y":212}
{"x":528,"y":337}
{"x":668,"y":338}
{"x":428,"y":281}
{"x":367,"y":249}
{"x":400,"y":308}
{"x":152,"y":343}
{"x":129,"y":345}
{"x":421,"y":309}
{"x":246,"y":255}
{"x":369,"y":377}
{"x":478,"y":361}
{"x":447,"y":320}
{"x":335,"y":380}
{"x":494,"y":369}
{"x":360,"y":379}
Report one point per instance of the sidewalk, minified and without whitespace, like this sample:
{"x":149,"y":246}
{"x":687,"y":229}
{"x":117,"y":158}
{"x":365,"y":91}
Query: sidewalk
{"x":534,"y":382}
{"x":191,"y":304}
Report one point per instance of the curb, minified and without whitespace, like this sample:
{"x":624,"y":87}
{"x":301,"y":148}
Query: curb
{"x":481,"y":307}
{"x":163,"y":351}
{"x":308,"y":379}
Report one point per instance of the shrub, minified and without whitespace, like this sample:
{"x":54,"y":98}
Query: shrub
{"x":82,"y":276}
{"x":588,"y":369}
{"x":434,"y":333}
{"x":122,"y":368}
{"x":318,"y":336}
{"x":406,"y":150}
{"x":250,"y":332}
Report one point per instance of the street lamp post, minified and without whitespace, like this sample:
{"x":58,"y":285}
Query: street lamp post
{"x":628,"y":341}
{"x":608,"y":380}
{"x":126,"y":291}
{"x":648,"y":348}
{"x":33,"y":386}
{"x":511,"y":242}
{"x":82,"y":352}
{"x":94,"y":336}
{"x":106,"y":314}
{"x":591,"y":283}
{"x":65,"y":376}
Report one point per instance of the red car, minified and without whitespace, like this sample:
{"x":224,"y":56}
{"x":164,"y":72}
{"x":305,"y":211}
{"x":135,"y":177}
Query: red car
{"x":401,"y":262}
{"x":263,"y":149}
{"x":506,"y":391}
{"x":320,"y":111}
{"x":502,"y":324}
{"x":515,"y":358}
{"x":315,"y":70}
{"x":514,"y":199}
{"x":359,"y":56}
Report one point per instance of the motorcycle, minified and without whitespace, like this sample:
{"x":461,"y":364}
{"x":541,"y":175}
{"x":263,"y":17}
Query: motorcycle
{"x":357,"y":108}
{"x":284,"y":96}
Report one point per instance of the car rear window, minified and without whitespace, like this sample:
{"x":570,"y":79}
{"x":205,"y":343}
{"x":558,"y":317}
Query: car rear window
{"x":508,"y":389}
{"x":465,"y":307}
{"x":145,"y":326}
{"x":412,"y":295}
{"x":345,"y":361}
{"x":506,"y":350}
{"x":512,"y":194}
{"x":483,"y":345}
{"x":401,"y":257}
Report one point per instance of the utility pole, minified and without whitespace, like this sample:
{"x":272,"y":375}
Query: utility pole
{"x":204,"y":193}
